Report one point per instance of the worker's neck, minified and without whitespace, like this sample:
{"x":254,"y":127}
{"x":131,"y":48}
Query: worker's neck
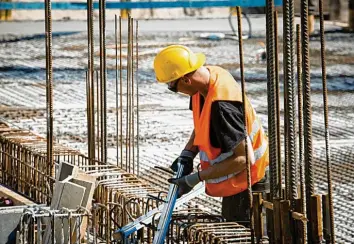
{"x":204,"y":81}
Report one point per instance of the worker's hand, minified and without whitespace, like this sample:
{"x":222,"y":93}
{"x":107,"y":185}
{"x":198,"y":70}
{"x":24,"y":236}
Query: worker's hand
{"x":185,"y":183}
{"x":186,"y":159}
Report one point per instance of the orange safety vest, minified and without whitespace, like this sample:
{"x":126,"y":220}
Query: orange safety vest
{"x":223,"y":87}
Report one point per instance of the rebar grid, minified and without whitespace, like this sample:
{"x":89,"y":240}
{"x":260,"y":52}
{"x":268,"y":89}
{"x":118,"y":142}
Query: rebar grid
{"x":120,"y":196}
{"x":226,"y":232}
{"x":39,"y":225}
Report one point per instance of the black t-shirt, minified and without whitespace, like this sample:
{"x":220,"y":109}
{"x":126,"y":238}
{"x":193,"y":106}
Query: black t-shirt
{"x":226,"y":124}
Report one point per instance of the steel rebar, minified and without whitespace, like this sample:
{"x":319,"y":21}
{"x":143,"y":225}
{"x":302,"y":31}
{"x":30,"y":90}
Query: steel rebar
{"x":116,"y":59}
{"x":300,"y":130}
{"x":121,"y":92}
{"x":274,"y":187}
{"x":325,"y":105}
{"x":277,"y":92}
{"x":98,"y":115}
{"x":127,"y":103}
{"x":49,"y":87}
{"x":132,"y":95}
{"x":137,"y":94}
{"x":309,"y":180}
{"x":103,"y":78}
{"x":90,"y":65}
{"x":244,"y":101}
{"x":288,"y":9}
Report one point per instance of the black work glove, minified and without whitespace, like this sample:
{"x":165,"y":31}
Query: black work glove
{"x":185,"y":183}
{"x":187,"y":160}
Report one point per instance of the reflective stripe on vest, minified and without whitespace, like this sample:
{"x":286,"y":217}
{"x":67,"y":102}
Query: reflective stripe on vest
{"x":256,"y":125}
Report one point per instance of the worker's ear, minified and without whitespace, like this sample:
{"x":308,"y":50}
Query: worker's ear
{"x":187,"y":80}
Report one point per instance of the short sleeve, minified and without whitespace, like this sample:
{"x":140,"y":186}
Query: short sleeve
{"x":227,"y":125}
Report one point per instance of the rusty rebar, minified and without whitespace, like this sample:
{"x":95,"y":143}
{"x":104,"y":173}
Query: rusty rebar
{"x":244,"y":101}
{"x":88,"y":112}
{"x":121,"y":92}
{"x":277,"y":92}
{"x":127,"y":103}
{"x":98,"y":115}
{"x":300,"y":130}
{"x":308,"y":157}
{"x":325,"y":105}
{"x":132,"y":95}
{"x":90,"y":77}
{"x":273,"y":156}
{"x":49,"y":87}
{"x":288,"y":13}
{"x":116,"y":59}
{"x":137,"y":94}
{"x":103,"y":76}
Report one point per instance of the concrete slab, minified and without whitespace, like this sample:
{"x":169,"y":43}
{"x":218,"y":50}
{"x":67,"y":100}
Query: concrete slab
{"x":68,"y":195}
{"x":66,"y":170}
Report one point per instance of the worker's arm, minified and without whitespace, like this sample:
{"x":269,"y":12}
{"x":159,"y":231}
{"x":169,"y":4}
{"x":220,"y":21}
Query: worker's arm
{"x":186,"y":157}
{"x":189,"y":146}
{"x":233,"y":164}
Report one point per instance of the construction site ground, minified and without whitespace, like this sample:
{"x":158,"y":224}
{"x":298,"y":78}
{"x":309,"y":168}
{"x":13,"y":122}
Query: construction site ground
{"x":165,"y":121}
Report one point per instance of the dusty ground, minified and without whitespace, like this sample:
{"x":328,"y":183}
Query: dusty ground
{"x":165,"y":121}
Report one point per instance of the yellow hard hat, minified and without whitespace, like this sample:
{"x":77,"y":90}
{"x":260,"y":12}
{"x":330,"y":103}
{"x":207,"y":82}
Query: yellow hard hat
{"x":175,"y":61}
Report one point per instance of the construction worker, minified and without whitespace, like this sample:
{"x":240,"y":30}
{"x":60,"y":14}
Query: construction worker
{"x":219,"y":131}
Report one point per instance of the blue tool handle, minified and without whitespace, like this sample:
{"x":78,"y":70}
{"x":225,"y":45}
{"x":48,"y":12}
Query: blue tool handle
{"x":167,"y":211}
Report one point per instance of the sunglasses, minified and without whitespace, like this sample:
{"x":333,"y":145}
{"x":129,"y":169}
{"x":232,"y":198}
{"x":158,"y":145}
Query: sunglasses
{"x":172,"y":86}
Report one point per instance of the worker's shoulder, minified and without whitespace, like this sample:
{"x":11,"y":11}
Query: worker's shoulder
{"x":226,"y":106}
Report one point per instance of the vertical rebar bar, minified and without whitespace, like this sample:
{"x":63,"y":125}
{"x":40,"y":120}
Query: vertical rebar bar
{"x":288,"y":11}
{"x":120,"y":92}
{"x":309,"y":181}
{"x":274,"y":187}
{"x":244,"y":101}
{"x":49,"y":88}
{"x":116,"y":57}
{"x":90,"y":65}
{"x":103,"y":74}
{"x":127,"y":107}
{"x":277,"y":92}
{"x":88,"y":112}
{"x":98,"y":115}
{"x":137,"y":94}
{"x":132,"y":97}
{"x":300,"y":126}
{"x":325,"y":106}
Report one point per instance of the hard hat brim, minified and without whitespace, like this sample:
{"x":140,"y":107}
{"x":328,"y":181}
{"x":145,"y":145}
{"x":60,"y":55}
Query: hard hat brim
{"x":200,"y":62}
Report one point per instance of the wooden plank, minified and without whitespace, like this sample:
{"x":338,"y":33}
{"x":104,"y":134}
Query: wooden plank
{"x":258,"y":216}
{"x":326,"y":219}
{"x":316,"y":218}
{"x":286,"y":226}
{"x":299,"y":225}
{"x":269,"y":217}
{"x":277,"y":221}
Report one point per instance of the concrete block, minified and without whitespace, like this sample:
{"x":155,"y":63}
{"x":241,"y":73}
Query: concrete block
{"x":66,"y":170}
{"x":68,"y":195}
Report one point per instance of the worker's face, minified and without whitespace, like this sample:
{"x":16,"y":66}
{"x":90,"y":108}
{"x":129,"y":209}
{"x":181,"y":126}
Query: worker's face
{"x":183,"y":85}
